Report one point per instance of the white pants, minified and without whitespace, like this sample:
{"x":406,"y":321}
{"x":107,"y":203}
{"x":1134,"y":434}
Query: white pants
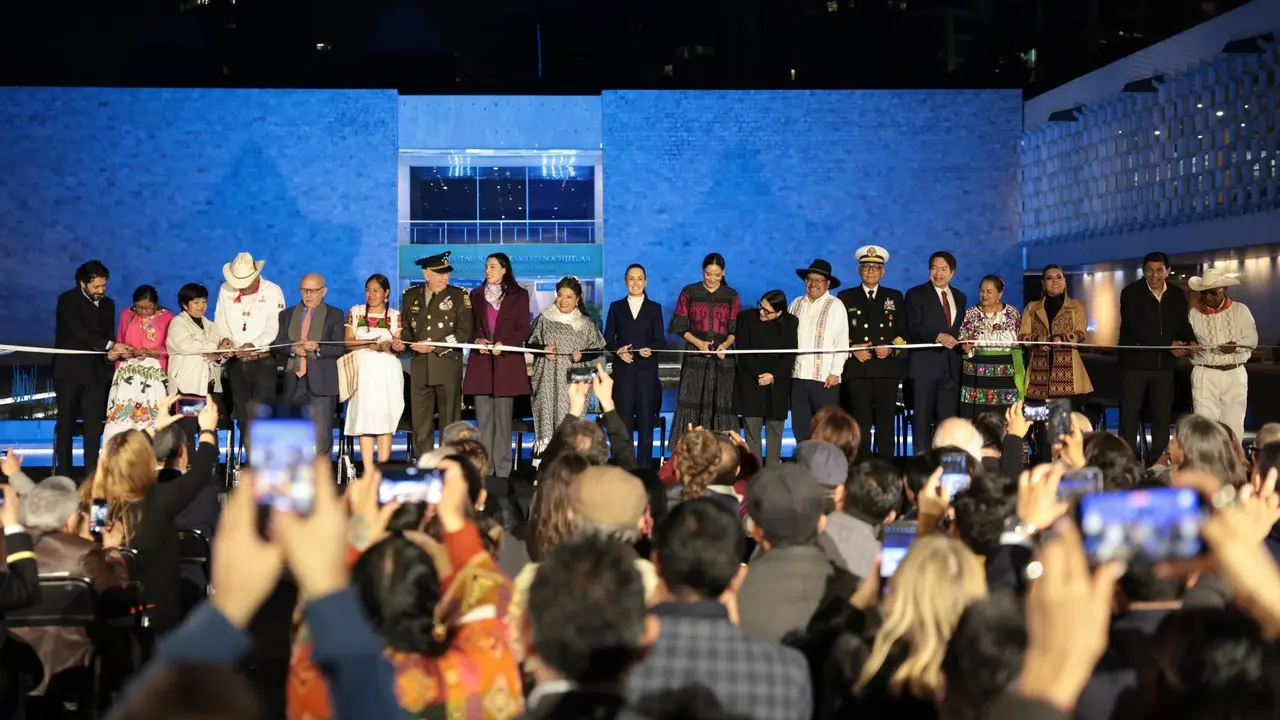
{"x":1221,"y":395}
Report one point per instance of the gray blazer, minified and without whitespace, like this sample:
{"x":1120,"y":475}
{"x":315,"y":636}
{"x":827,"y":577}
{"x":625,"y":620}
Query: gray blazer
{"x":322,"y":365}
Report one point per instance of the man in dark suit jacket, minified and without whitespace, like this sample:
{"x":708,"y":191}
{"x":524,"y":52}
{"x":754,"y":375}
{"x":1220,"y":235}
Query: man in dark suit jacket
{"x":85,"y":320}
{"x":311,"y":371}
{"x":877,"y":317}
{"x":934,"y":312}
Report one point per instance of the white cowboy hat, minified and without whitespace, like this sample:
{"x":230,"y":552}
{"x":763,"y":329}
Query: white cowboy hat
{"x":1212,"y":280}
{"x":241,"y":272}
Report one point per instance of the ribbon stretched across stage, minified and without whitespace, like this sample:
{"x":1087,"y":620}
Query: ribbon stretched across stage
{"x":7,"y":349}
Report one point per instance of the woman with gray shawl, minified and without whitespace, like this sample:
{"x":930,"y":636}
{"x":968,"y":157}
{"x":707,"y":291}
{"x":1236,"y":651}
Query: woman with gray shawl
{"x":570,"y":339}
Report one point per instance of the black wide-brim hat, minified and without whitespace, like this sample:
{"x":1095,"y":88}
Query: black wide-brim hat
{"x":822,"y":267}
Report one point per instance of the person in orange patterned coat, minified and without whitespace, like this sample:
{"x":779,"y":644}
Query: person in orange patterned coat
{"x":438,"y":607}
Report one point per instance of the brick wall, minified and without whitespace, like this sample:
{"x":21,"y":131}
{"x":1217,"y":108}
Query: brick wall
{"x":164,"y":186}
{"x":499,"y":122}
{"x":773,"y":179}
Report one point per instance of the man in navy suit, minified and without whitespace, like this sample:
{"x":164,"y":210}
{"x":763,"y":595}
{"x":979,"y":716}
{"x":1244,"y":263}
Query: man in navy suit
{"x":311,"y":374}
{"x":934,"y":312}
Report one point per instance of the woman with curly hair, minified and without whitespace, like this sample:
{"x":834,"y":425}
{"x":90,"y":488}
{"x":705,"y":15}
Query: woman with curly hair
{"x":706,"y":465}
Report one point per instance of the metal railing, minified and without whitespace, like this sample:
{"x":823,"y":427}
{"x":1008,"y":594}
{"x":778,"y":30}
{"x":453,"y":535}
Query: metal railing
{"x":497,"y":232}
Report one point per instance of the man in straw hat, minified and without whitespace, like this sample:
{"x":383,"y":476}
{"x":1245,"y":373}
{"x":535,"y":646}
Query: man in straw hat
{"x":877,"y":318}
{"x":815,"y":380}
{"x":435,"y":312}
{"x":1227,"y":333}
{"x":247,"y":318}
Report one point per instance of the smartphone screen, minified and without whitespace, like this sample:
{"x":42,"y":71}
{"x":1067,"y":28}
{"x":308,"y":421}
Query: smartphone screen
{"x":411,"y":485}
{"x":1075,"y":483}
{"x":191,"y":405}
{"x":282,"y":441}
{"x":1035,"y":413}
{"x":97,"y":517}
{"x":955,"y":473}
{"x":1148,"y":524}
{"x":894,"y":546}
{"x":581,"y":374}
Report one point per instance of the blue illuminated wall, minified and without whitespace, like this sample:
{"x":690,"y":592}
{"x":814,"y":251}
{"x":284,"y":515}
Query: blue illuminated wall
{"x":164,"y":186}
{"x":773,"y":179}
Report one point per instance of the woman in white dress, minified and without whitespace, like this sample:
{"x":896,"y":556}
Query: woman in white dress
{"x":373,"y":331}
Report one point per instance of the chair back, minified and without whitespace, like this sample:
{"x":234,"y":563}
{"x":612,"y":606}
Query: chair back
{"x":193,"y":547}
{"x":65,"y":601}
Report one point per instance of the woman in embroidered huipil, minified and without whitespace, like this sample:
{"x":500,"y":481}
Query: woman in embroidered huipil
{"x":706,"y":316}
{"x":375,"y":407}
{"x":1056,"y":370}
{"x":141,"y":379}
{"x":992,"y":375}
{"x":570,"y":339}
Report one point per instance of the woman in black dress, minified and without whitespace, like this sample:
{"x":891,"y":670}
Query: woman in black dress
{"x":706,"y":316}
{"x":762,"y":383}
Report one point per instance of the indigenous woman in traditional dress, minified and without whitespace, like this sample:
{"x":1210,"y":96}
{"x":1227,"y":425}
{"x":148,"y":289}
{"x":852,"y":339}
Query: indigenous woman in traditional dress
{"x":375,"y":407}
{"x":706,"y":316}
{"x":570,"y":339}
{"x":632,"y":331}
{"x":140,"y":382}
{"x":1056,"y":370}
{"x":992,"y":375}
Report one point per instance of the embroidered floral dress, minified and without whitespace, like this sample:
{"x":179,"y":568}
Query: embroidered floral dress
{"x":378,"y":402}
{"x":992,"y":375}
{"x":140,"y":384}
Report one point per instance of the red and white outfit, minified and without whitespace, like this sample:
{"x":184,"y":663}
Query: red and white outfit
{"x":1219,"y":383}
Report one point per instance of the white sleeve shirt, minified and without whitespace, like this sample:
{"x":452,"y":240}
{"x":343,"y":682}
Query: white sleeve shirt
{"x":1233,"y":325}
{"x":823,"y":325}
{"x":254,"y":320}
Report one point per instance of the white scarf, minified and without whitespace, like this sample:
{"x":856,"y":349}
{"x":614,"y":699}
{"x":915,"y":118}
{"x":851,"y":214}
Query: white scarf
{"x":573,"y":318}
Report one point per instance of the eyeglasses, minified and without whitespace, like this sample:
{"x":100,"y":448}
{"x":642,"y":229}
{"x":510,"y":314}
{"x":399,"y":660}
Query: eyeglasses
{"x":311,"y":291}
{"x":145,"y":309}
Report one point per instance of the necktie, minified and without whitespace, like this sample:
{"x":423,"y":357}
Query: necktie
{"x":306,"y":328}
{"x":946,"y":307}
{"x":871,"y":295}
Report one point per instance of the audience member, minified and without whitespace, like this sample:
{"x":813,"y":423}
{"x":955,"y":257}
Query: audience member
{"x":983,"y":658}
{"x":19,"y":589}
{"x":1266,"y":435}
{"x":171,"y":448}
{"x":698,"y":644}
{"x":705,"y":466}
{"x":1201,"y":444}
{"x":460,"y":430}
{"x":835,"y":425}
{"x":871,"y":498}
{"x":552,"y":516}
{"x":959,"y":433}
{"x":830,"y":467}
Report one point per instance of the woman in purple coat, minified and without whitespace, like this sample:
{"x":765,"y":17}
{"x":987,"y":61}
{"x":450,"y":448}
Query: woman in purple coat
{"x":495,"y":377}
{"x":633,"y":329}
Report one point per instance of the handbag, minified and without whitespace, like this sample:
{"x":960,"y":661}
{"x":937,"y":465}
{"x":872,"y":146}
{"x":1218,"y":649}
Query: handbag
{"x":348,"y":378}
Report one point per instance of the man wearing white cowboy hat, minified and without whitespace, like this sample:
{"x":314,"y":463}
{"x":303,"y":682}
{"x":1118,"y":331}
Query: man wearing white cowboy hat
{"x":824,"y":325}
{"x":247,"y":318}
{"x":1227,"y":333}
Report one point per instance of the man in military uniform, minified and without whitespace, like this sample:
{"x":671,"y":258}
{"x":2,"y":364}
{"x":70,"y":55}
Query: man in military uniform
{"x":435,"y":312}
{"x":877,"y":316}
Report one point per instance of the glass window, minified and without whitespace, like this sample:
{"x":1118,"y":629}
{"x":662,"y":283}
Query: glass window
{"x":565,"y":198}
{"x":442,"y":193}
{"x":502,"y":193}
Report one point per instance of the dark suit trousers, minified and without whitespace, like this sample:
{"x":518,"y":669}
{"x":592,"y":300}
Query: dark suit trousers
{"x":933,"y":400}
{"x":427,"y":401}
{"x":250,"y":380}
{"x":298,"y":390}
{"x":86,"y":402}
{"x":1155,"y":389}
{"x":635,"y":394}
{"x":807,"y":398}
{"x":873,"y":401}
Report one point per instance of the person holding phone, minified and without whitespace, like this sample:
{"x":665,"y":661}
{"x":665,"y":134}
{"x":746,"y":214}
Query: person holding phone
{"x":570,"y":340}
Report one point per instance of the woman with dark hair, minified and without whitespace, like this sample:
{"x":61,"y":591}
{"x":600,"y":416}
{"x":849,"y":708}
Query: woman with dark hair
{"x":195,"y":365}
{"x":706,"y":316}
{"x":141,"y":379}
{"x":570,"y":339}
{"x":632,"y":331}
{"x":762,"y":381}
{"x":500,"y":309}
{"x":1056,"y":371}
{"x":991,"y":378}
{"x":375,"y":407}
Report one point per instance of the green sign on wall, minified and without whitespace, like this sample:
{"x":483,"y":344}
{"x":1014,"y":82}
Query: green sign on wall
{"x":528,"y":261}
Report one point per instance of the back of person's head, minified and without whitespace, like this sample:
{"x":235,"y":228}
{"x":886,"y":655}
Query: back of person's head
{"x":1266,"y":460}
{"x":1081,"y":422}
{"x":697,"y":549}
{"x":873,"y":489}
{"x":991,"y":426}
{"x":51,"y":504}
{"x":1201,"y":444}
{"x":1114,"y":458}
{"x":168,"y":444}
{"x":192,"y":691}
{"x":608,"y":503}
{"x":917,"y":469}
{"x":552,"y":514}
{"x":1212,"y":663}
{"x":1236,"y":443}
{"x":958,"y":433}
{"x":399,"y":587}
{"x":698,"y":456}
{"x":126,"y":471}
{"x":1266,"y":435}
{"x":474,"y":451}
{"x":984,"y":657}
{"x":585,"y":438}
{"x":586,"y":612}
{"x":829,"y":466}
{"x":786,"y":506}
{"x":460,"y":430}
{"x":1141,"y":584}
{"x":727,"y":469}
{"x":835,"y":425}
{"x":936,"y":581}
{"x":981,"y":511}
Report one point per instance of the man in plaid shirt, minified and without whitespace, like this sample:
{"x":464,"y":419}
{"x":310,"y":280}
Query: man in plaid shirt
{"x":699,"y":647}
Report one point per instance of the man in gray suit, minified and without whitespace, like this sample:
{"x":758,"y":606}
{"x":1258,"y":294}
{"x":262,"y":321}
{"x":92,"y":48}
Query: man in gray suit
{"x":312,"y":332}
